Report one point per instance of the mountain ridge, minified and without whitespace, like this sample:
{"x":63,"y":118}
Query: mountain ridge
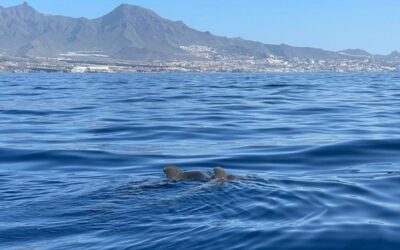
{"x":133,"y":33}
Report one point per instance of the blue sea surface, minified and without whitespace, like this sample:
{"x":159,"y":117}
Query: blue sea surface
{"x":81,"y":160}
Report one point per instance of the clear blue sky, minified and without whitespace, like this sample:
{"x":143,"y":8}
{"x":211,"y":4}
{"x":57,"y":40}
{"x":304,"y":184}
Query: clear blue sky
{"x":373,"y":25}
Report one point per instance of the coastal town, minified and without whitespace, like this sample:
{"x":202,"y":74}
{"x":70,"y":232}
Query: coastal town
{"x":76,"y":45}
{"x":220,"y":64}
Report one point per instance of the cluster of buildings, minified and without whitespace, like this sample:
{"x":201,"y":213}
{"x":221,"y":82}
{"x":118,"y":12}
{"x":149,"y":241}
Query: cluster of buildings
{"x":280,"y":65}
{"x":200,"y":51}
{"x":204,"y":64}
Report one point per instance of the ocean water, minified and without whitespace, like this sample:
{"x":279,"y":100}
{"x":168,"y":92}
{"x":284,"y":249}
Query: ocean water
{"x":81,"y":159}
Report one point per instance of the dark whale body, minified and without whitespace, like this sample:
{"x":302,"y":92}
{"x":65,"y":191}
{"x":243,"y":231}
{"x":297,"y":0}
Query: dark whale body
{"x":176,"y":174}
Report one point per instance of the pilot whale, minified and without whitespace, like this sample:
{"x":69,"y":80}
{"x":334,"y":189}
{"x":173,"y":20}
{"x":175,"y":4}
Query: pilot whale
{"x":174,"y":173}
{"x":221,"y":174}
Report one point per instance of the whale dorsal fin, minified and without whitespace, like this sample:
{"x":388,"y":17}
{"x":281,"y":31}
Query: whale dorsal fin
{"x":173,"y":173}
{"x":220,"y":173}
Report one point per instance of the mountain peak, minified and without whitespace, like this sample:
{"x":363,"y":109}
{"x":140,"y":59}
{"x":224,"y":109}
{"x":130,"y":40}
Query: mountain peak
{"x":355,"y":52}
{"x":129,"y":6}
{"x":395,"y":53}
{"x":24,"y":7}
{"x":132,"y":9}
{"x":126,"y":12}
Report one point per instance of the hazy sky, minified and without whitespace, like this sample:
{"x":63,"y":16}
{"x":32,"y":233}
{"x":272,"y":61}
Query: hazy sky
{"x":373,"y":25}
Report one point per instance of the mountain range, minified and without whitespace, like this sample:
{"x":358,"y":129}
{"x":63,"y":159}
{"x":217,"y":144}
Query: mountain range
{"x":133,"y":33}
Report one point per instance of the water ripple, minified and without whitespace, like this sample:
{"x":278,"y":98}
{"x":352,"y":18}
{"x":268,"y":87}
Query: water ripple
{"x":81,"y":160}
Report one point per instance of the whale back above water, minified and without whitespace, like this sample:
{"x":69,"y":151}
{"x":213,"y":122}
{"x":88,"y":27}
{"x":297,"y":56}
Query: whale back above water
{"x":221,"y":174}
{"x":173,"y":173}
{"x":176,"y":174}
